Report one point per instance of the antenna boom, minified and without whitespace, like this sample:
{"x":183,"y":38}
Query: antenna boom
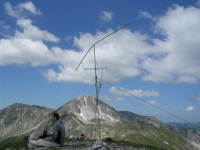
{"x":98,"y":42}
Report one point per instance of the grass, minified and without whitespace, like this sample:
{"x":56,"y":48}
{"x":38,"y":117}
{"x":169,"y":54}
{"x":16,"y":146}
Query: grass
{"x":151,"y":137}
{"x":12,"y":143}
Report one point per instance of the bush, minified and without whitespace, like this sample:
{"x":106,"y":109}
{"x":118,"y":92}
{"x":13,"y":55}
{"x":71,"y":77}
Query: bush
{"x":108,"y":139}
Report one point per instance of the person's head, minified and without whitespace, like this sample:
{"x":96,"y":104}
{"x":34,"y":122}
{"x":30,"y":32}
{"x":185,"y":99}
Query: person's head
{"x":54,"y":117}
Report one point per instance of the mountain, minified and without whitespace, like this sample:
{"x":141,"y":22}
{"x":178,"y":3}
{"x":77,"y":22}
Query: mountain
{"x":20,"y":118}
{"x":127,"y":116}
{"x":162,"y":138}
{"x":78,"y":117}
{"x":187,"y":126}
{"x":84,"y":108}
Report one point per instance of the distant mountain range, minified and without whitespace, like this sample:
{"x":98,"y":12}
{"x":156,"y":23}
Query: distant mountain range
{"x":78,"y":117}
{"x":187,"y":126}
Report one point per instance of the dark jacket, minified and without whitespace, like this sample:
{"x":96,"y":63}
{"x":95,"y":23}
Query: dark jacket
{"x":58,"y":133}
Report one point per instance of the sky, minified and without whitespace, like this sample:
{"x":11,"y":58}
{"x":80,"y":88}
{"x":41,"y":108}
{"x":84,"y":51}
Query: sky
{"x":150,"y":67}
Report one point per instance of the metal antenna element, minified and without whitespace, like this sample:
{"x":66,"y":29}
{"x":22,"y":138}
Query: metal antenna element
{"x":96,"y":82}
{"x":100,"y":41}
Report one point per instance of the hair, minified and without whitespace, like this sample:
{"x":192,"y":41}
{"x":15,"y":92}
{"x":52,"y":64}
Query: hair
{"x":56,"y":115}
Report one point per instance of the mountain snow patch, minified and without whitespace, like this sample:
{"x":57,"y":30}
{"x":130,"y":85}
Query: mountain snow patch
{"x":111,"y":118}
{"x":166,"y":143}
{"x":85,"y":100}
{"x":82,"y":115}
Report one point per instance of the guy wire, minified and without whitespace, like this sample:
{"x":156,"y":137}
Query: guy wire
{"x":152,"y":105}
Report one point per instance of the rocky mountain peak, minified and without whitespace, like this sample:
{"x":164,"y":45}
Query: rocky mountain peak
{"x":84,"y":107}
{"x":18,"y":117}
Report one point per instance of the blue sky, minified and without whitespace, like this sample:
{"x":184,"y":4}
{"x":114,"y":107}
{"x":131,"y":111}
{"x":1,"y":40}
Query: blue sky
{"x":155,"y":58}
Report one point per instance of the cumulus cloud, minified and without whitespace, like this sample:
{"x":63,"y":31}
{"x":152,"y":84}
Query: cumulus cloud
{"x":195,"y":97}
{"x":137,"y":93}
{"x":146,"y":15}
{"x":190,"y":108}
{"x":106,"y":16}
{"x":180,"y":47}
{"x":26,"y":45}
{"x":152,"y":103}
{"x":32,"y":32}
{"x":21,"y":9}
{"x":22,"y":51}
{"x":107,"y":98}
{"x":127,"y":54}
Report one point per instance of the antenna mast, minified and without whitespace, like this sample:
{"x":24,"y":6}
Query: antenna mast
{"x":95,"y":69}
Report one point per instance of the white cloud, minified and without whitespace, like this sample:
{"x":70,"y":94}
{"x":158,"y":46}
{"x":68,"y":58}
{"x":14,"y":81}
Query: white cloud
{"x":10,"y":10}
{"x":107,"y":98}
{"x":29,"y":6}
{"x":32,"y":32}
{"x":19,"y":10}
{"x":152,"y":103}
{"x":179,"y":50}
{"x":137,"y":93}
{"x":4,"y":25}
{"x":26,"y":45}
{"x":68,"y":38}
{"x":127,"y":54}
{"x":22,"y":51}
{"x":190,"y":108}
{"x":146,"y":15}
{"x":195,"y":97}
{"x":106,"y":16}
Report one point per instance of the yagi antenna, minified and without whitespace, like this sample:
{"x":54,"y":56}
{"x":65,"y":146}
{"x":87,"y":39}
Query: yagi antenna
{"x":98,"y":42}
{"x":95,"y":69}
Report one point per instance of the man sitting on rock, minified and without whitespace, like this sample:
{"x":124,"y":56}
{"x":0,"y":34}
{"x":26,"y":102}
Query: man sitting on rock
{"x":55,"y":139}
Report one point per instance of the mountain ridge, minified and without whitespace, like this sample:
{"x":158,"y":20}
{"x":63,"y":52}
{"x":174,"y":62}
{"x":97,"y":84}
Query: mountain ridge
{"x":77,"y":117}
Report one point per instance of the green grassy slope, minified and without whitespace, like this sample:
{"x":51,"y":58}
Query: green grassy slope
{"x":144,"y":134}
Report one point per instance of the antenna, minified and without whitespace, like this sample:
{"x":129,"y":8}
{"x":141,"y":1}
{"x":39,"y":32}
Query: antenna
{"x":98,"y":42}
{"x":95,"y":70}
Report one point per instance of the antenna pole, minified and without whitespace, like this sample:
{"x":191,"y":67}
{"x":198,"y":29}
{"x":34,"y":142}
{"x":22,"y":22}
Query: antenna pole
{"x":95,"y":70}
{"x":97,"y":94}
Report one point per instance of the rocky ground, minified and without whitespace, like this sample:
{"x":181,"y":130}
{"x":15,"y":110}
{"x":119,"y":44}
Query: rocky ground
{"x":93,"y":145}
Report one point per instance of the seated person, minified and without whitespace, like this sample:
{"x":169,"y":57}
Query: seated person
{"x":55,"y":139}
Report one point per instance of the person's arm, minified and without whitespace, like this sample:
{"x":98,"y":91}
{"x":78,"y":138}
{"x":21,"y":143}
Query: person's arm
{"x":54,"y":133}
{"x":49,"y":134}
